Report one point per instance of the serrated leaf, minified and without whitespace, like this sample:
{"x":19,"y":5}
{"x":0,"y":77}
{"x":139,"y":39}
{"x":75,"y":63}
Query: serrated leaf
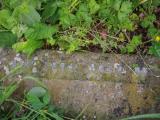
{"x":28,"y":46}
{"x":26,"y":14}
{"x":6,"y":20}
{"x":49,"y":10}
{"x":40,"y":31}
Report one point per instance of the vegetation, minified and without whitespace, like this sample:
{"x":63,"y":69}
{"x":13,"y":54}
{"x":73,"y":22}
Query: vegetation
{"x":34,"y":105}
{"x":125,"y":26}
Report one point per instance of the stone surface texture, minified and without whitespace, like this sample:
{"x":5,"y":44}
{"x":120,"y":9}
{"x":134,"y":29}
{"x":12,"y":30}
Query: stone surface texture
{"x":104,"y":86}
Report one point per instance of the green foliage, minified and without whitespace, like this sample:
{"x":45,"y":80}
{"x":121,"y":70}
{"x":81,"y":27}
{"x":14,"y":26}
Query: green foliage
{"x":132,"y":45}
{"x":35,"y":105}
{"x":155,"y":49}
{"x":7,"y":39}
{"x":33,"y":23}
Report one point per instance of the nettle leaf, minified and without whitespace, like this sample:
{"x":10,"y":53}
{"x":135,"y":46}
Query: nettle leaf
{"x":28,"y":46}
{"x":67,"y":19}
{"x":26,"y":14}
{"x":40,"y":31}
{"x":35,"y":3}
{"x":93,"y":6}
{"x":7,"y":39}
{"x":6,"y":20}
{"x":83,"y":15}
{"x":49,"y":10}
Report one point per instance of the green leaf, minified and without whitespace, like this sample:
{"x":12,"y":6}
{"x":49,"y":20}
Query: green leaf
{"x":7,"y":39}
{"x":132,"y":45}
{"x":83,"y":15}
{"x":126,"y":7}
{"x":35,"y":101}
{"x":40,"y":31}
{"x":51,"y":41}
{"x":28,"y":46}
{"x":93,"y":6}
{"x":46,"y":99}
{"x":37,"y":91}
{"x":6,"y":20}
{"x":155,"y":49}
{"x":67,"y":19}
{"x":49,"y":10}
{"x":26,"y":14}
{"x":117,"y":4}
{"x":148,"y":21}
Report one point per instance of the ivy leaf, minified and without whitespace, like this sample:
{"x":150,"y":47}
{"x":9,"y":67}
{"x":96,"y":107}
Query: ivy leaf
{"x":40,"y":31}
{"x":7,"y":39}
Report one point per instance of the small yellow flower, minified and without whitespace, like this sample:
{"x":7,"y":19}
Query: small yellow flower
{"x":157,"y":38}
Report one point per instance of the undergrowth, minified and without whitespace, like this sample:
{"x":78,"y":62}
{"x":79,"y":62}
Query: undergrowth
{"x":124,"y":26}
{"x":32,"y":104}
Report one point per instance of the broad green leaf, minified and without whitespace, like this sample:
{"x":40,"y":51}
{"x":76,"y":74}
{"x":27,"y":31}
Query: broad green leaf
{"x":49,"y":10}
{"x":83,"y":15}
{"x":7,"y":39}
{"x":28,"y":46}
{"x":26,"y":14}
{"x":6,"y":20}
{"x":67,"y":19}
{"x":40,"y":31}
{"x":37,"y":91}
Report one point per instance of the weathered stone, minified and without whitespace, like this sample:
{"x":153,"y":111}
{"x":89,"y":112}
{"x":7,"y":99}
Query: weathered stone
{"x":107,"y":86}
